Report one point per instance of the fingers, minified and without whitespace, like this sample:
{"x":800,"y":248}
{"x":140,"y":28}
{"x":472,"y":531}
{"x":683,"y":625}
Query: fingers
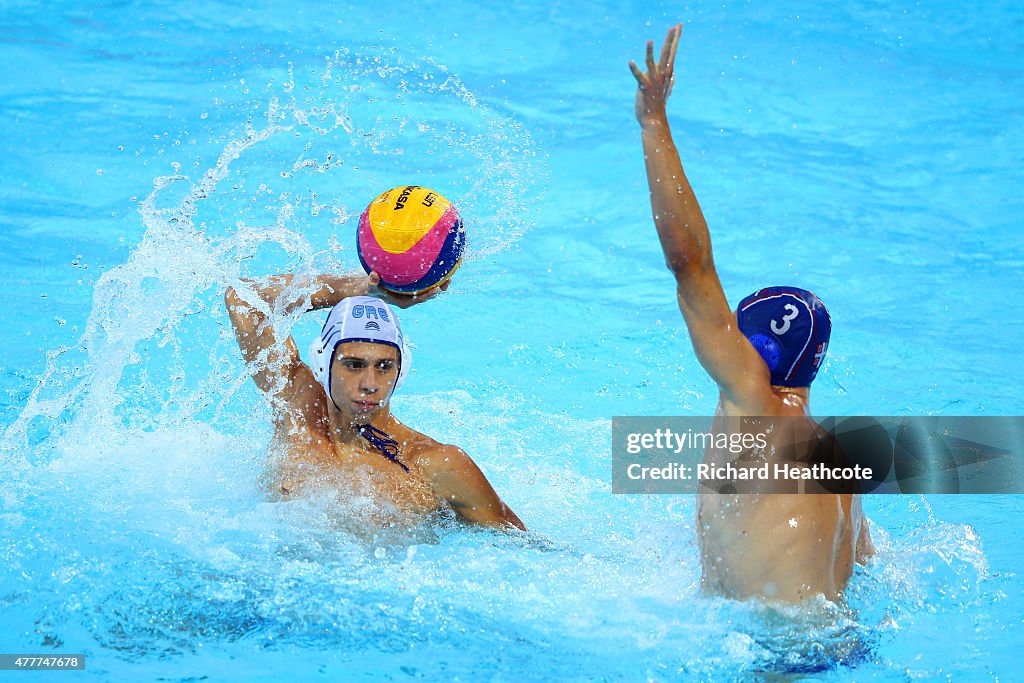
{"x":655,"y":84}
{"x":403,"y":300}
{"x":641,"y":79}
{"x":408,"y":300}
{"x":662,"y":70}
{"x":374,"y":278}
{"x":675,"y":46}
{"x":666,"y":50}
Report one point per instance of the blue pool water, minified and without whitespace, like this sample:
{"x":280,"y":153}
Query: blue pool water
{"x":155,"y":152}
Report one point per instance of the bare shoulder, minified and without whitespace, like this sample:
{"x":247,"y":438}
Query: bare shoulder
{"x":457,"y":480}
{"x":432,"y":456}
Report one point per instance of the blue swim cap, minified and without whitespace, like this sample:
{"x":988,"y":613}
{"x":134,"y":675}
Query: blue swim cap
{"x":790,"y":328}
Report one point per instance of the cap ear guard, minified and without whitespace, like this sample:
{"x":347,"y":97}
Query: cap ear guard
{"x":404,"y":363}
{"x":768,"y":348}
{"x":318,"y":362}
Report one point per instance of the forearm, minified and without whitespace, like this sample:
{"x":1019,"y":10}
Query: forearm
{"x":500,"y":517}
{"x":286,"y":295}
{"x":677,"y":215}
{"x":511,"y":519}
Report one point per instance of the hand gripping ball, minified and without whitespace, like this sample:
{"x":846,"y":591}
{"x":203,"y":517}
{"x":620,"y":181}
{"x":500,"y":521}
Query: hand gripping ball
{"x":412,"y":237}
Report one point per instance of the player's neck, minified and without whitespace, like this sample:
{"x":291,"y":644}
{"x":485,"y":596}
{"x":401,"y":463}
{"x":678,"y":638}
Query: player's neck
{"x":795,"y":396}
{"x":345,"y":429}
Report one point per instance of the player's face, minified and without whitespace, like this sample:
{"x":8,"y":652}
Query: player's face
{"x":362,"y":377}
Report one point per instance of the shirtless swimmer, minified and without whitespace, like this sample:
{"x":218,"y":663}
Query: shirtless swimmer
{"x":333,"y":422}
{"x":763,"y":357}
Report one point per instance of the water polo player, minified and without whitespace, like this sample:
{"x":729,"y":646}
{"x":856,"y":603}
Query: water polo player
{"x":763,"y":357}
{"x":333,"y":424}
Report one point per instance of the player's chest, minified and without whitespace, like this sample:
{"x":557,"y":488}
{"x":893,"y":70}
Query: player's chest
{"x":363,"y":473}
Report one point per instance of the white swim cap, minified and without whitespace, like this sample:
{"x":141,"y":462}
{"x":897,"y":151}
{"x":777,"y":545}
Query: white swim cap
{"x":358,"y":319}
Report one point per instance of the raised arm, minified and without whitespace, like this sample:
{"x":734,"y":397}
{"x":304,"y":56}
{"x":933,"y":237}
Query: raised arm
{"x":720,"y":347}
{"x":275,"y":362}
{"x":458,"y":480}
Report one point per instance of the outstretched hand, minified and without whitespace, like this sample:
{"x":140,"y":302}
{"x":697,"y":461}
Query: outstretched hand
{"x":655,"y":85}
{"x":403,"y":301}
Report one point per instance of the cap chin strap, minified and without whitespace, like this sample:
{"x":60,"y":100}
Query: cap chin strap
{"x":380,"y":440}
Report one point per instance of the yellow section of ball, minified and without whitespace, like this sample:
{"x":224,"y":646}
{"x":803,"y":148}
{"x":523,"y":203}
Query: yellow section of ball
{"x":400,"y":217}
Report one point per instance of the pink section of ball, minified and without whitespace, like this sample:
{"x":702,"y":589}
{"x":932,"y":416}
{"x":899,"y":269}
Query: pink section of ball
{"x":411,"y":265}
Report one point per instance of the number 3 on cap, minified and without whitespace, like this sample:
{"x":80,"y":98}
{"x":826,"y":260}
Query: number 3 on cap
{"x":784,"y":328}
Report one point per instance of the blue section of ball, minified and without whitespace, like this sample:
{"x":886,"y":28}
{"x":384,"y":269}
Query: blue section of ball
{"x":447,"y":260}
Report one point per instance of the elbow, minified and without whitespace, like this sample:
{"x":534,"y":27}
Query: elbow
{"x":681,"y":265}
{"x":676,"y":263}
{"x":233,"y":301}
{"x":510,"y":520}
{"x":230,"y":298}
{"x":687,"y":263}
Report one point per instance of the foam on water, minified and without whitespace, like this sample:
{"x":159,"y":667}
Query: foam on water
{"x":176,"y":557}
